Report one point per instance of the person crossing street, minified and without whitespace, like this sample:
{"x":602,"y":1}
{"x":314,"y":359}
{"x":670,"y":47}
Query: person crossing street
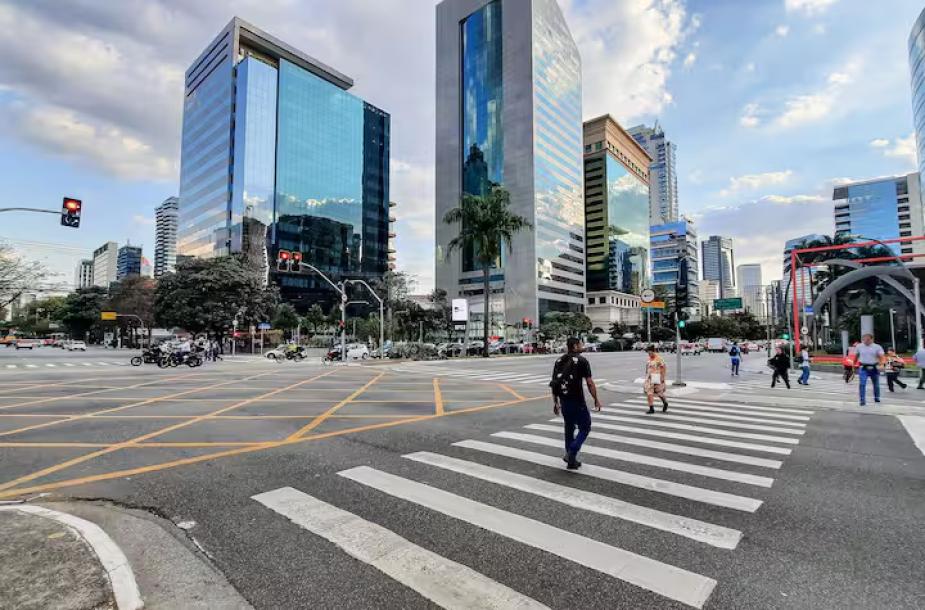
{"x":656,"y":374}
{"x":569,"y":374}
{"x":804,"y":366}
{"x":734,"y":358}
{"x":920,"y":362}
{"x":780,"y":363}
{"x":870,"y":357}
{"x":893,"y":366}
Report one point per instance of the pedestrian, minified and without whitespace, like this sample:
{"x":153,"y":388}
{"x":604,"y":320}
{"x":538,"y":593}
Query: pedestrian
{"x":734,"y":353}
{"x":568,"y":397}
{"x":780,"y":363}
{"x":870,"y":357}
{"x":920,"y":362}
{"x":804,"y":366}
{"x":656,"y":374}
{"x":893,"y":367}
{"x":849,"y":363}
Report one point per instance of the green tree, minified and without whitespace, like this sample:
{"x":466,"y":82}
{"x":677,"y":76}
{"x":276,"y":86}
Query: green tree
{"x":17,"y":275}
{"x":81,"y":310}
{"x":314,"y":318}
{"x":486,"y":227}
{"x":205,"y":295}
{"x":285,"y":317}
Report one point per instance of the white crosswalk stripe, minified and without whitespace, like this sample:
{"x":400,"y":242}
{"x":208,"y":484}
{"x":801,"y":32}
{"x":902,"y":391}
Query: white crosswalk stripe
{"x":715,"y":535}
{"x":752,"y":415}
{"x":745,"y":407}
{"x":705,"y":420}
{"x":705,"y":429}
{"x":635,"y":458}
{"x":661,"y":578}
{"x":50,"y":365}
{"x":444,"y":582}
{"x":681,"y":436}
{"x":671,"y":447}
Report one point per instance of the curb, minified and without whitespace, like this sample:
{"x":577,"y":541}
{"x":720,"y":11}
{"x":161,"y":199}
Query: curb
{"x":114,"y":562}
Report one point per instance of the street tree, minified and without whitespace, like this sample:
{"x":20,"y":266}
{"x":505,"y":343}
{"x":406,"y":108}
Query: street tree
{"x":314,"y":318}
{"x":17,"y":275}
{"x":206,"y":295}
{"x":486,"y":228}
{"x":285,"y":318}
{"x":80,"y":313}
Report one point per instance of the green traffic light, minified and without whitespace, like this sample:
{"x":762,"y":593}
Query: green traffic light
{"x":785,"y":336}
{"x":682,"y":324}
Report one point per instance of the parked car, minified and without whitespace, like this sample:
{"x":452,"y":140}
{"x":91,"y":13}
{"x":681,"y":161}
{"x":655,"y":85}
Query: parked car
{"x":716,"y":344}
{"x":475,"y":348}
{"x":691,"y":349}
{"x":592,"y":347}
{"x":28,"y":343}
{"x":75,"y":346}
{"x":357,"y":351}
{"x":450,"y":350}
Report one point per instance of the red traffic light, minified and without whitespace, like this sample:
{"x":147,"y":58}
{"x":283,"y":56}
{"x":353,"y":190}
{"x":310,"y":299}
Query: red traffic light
{"x":71,"y":205}
{"x":284,"y":255}
{"x":70,"y":212}
{"x":297,"y":257}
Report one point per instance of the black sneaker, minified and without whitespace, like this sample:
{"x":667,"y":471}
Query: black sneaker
{"x":664,"y":407}
{"x":650,"y":411}
{"x":574,"y":465}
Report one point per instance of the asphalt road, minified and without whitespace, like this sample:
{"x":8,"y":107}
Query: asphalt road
{"x":743,"y":498}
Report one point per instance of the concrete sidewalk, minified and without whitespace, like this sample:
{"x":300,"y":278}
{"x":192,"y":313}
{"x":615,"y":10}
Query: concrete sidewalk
{"x":92,"y":555}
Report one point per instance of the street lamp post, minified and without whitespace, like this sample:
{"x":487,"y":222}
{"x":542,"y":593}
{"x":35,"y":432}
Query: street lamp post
{"x":339,"y":287}
{"x":892,"y":328}
{"x":381,"y":316}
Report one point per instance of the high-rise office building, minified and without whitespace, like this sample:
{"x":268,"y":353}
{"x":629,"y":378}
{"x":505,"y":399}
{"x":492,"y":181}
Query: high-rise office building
{"x":884,"y":208}
{"x":509,"y":113}
{"x":165,"y":236}
{"x":719,"y":264}
{"x":663,"y":177}
{"x":616,"y":208}
{"x":128,"y":261}
{"x":917,"y":68}
{"x":277,"y":155}
{"x":668,"y":243}
{"x":105,"y":267}
{"x":802,"y":278}
{"x":751,"y":289}
{"x":83,"y":274}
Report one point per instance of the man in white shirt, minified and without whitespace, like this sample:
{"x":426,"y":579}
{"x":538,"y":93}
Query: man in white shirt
{"x":870,"y":357}
{"x":920,"y":362}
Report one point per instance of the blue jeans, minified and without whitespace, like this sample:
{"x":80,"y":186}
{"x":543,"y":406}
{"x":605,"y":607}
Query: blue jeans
{"x":804,"y":377}
{"x":735,"y":365}
{"x":576,"y":415}
{"x":874,"y":375}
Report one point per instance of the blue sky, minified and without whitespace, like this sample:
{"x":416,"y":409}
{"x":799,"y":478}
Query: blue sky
{"x":770,"y":102}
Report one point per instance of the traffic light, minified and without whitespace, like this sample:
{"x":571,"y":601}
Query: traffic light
{"x":296,"y":261}
{"x":785,"y":336}
{"x":527,"y":323}
{"x":283,"y":260}
{"x":70,"y":212}
{"x":682,"y":291}
{"x":682,"y":323}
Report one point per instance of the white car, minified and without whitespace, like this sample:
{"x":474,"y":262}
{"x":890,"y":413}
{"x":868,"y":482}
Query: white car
{"x":74,"y":346}
{"x":29,"y":344}
{"x":357,"y":351}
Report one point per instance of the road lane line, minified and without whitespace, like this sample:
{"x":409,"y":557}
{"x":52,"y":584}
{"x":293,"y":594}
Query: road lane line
{"x":671,"y":488}
{"x":32,"y":366}
{"x":704,"y":429}
{"x":736,"y":405}
{"x":510,"y":390}
{"x":321,"y":418}
{"x":776,"y":418}
{"x":646,"y":460}
{"x":444,"y":582}
{"x":701,"y":420}
{"x":50,"y":365}
{"x":661,"y":578}
{"x":537,"y":379}
{"x":672,"y":448}
{"x":714,"y":535}
{"x":438,"y":397}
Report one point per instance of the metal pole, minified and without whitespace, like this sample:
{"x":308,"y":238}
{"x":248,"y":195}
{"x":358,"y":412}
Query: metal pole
{"x":677,"y":346}
{"x":30,"y":210}
{"x":795,"y":338}
{"x":648,"y":325}
{"x":381,"y":314}
{"x":343,"y":323}
{"x":892,"y":329}
{"x":918,"y":311}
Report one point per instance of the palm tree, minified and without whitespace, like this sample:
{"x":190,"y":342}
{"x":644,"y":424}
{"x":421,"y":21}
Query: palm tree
{"x":486,"y":225}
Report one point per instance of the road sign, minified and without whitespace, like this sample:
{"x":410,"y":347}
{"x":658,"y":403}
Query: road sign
{"x":804,"y":331}
{"x":264,"y":326}
{"x":727,"y":304}
{"x":808,"y":309}
{"x":460,"y":310}
{"x":648,"y":295}
{"x":654,"y":305}
{"x":108,"y":316}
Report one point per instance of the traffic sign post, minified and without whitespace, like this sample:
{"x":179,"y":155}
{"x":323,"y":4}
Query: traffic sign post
{"x":729,"y":304}
{"x":647,"y":296}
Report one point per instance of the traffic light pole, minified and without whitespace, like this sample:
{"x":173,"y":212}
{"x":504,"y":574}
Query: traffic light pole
{"x":381,"y":317}
{"x":30,"y":210}
{"x":339,"y":287}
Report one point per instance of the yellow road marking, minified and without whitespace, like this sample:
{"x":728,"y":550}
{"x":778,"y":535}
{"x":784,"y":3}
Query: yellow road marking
{"x":249,"y":449}
{"x":143,"y":437}
{"x":510,"y":390}
{"x":438,"y":397}
{"x":320,"y":419}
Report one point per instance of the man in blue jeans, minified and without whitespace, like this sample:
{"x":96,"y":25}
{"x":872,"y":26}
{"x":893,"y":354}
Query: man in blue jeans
{"x":870,"y":357}
{"x":569,"y":398}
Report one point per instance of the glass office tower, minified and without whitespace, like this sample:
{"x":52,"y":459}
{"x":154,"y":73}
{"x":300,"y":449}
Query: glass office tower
{"x":917,"y":68}
{"x":884,"y":208}
{"x":512,"y":117}
{"x":278,"y":155}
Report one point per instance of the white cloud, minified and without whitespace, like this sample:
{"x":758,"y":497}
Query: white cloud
{"x":690,"y":60}
{"x":143,"y":220}
{"x":879,"y":143}
{"x":782,"y":31}
{"x":753,"y":182}
{"x":808,"y":7}
{"x":749,"y":116}
{"x":901,"y":148}
{"x":631,"y":41}
{"x":801,"y":109}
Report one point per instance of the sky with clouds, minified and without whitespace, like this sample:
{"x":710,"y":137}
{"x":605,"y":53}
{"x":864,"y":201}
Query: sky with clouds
{"x":770,"y":103}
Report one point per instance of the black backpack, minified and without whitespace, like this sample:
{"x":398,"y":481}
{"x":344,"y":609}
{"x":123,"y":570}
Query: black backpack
{"x":565,"y":382}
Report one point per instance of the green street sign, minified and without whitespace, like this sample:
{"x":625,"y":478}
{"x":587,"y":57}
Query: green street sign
{"x":727,"y":304}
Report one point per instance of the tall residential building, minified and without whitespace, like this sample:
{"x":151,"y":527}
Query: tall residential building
{"x":667,"y":244}
{"x":884,"y":208}
{"x":509,"y":112}
{"x":917,"y":68}
{"x":708,"y":292}
{"x":748,"y":278}
{"x":105,"y":264}
{"x":719,"y":264}
{"x":165,"y":236}
{"x":83,"y":274}
{"x":616,"y":208}
{"x":277,"y":155}
{"x":128,"y":261}
{"x":663,"y":177}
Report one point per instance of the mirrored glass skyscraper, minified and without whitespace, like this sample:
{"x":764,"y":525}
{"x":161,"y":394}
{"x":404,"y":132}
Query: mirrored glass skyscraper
{"x":917,"y":67}
{"x":509,"y":113}
{"x":277,"y":154}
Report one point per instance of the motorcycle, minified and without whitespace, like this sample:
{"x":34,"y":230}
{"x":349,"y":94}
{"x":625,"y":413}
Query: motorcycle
{"x":148,"y":356}
{"x":177,"y":358}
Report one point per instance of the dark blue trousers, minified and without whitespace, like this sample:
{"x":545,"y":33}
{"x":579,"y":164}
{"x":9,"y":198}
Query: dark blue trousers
{"x":576,"y":415}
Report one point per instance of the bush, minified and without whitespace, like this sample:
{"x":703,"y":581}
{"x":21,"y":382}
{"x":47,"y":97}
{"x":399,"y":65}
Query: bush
{"x":612,"y":346}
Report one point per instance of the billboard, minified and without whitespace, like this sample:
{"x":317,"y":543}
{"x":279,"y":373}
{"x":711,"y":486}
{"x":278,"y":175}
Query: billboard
{"x":460,"y":310}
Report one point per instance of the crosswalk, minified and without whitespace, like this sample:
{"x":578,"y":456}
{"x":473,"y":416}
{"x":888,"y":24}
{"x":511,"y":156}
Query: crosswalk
{"x":66,"y":365}
{"x":700,"y":453}
{"x":437,"y":369}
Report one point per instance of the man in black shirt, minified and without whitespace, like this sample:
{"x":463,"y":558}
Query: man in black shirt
{"x":569,"y":398}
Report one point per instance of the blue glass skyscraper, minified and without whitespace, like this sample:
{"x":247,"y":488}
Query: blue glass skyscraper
{"x":278,"y":155}
{"x":917,"y":67}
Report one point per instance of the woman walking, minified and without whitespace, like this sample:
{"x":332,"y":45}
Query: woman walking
{"x":804,"y":366}
{"x":656,"y":372}
{"x":893,"y":367}
{"x":780,"y":363}
{"x":850,"y":363}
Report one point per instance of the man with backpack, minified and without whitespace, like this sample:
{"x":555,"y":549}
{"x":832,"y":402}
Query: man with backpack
{"x":569,"y":398}
{"x":734,"y":354}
